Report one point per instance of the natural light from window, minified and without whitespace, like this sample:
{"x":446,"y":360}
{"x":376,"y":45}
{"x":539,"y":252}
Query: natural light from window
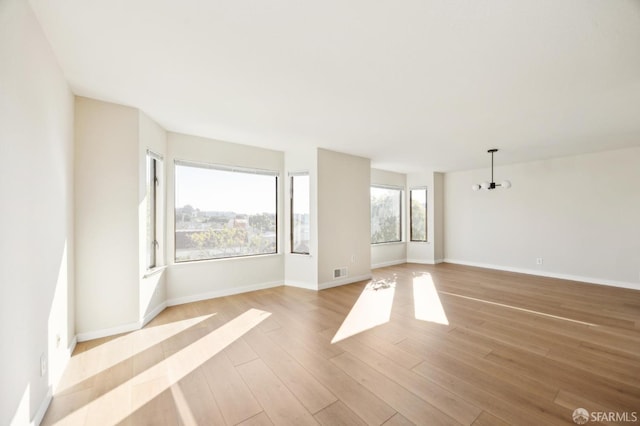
{"x":426,"y":302}
{"x":224,"y":212}
{"x":386,"y":215}
{"x":372,"y":308}
{"x":180,"y":364}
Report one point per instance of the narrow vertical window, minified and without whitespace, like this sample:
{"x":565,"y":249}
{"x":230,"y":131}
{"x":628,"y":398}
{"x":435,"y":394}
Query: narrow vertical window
{"x":153,"y":183}
{"x":386,"y":214}
{"x":418,"y":214}
{"x":300,"y":201}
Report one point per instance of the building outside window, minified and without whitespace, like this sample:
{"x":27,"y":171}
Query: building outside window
{"x":223,"y":212}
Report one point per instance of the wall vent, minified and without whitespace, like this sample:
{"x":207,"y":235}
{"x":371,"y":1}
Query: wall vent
{"x":340,"y":272}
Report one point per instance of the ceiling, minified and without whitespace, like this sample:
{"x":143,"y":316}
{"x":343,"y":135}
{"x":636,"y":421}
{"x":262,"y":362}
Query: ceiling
{"x":411,"y":84}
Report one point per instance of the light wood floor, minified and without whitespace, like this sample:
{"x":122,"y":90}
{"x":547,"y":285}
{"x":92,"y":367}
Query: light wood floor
{"x":518,"y":349}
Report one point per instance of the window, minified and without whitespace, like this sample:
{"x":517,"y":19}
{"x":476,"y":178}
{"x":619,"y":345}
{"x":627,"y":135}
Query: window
{"x":300,"y":213}
{"x":418,"y":214}
{"x":154,"y":167}
{"x":223,"y":212}
{"x":386,"y":208}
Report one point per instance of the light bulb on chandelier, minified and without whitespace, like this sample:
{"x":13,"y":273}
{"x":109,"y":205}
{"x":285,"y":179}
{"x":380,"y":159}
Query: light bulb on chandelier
{"x":491,"y":185}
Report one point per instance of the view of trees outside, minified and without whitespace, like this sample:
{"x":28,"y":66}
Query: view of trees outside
{"x":300,"y":214}
{"x":222,"y":213}
{"x":418,"y":214}
{"x":386,"y":224}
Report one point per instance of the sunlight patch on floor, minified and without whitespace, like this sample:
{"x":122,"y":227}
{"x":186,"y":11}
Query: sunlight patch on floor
{"x":117,"y":404}
{"x":426,"y":302}
{"x":372,"y":308}
{"x":520,"y":309}
{"x":115,"y":351}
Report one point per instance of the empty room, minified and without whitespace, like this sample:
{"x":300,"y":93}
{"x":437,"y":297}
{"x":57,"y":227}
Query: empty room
{"x":334,"y":213}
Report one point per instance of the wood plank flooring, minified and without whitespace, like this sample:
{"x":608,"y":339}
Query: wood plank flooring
{"x":492,"y":348}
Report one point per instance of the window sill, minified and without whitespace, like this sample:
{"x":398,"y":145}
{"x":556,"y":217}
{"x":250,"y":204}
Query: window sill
{"x":390,"y":243}
{"x":225,"y":259}
{"x":153,"y":271}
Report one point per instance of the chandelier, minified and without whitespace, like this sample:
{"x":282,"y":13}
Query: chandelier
{"x":491,"y":185}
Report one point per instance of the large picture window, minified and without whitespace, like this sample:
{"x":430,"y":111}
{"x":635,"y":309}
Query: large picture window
{"x":224,"y":212}
{"x":386,"y":214}
{"x":300,"y":213}
{"x":418,"y":214}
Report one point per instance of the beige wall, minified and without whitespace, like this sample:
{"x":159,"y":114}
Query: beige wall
{"x":36,"y":218}
{"x":344,"y":217}
{"x":580,"y":214}
{"x":107,"y":198}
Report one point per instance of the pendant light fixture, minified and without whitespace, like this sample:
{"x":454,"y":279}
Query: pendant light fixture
{"x":491,"y":185}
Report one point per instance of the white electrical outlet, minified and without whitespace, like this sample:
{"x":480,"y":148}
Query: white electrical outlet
{"x":43,"y":364}
{"x":539,"y":261}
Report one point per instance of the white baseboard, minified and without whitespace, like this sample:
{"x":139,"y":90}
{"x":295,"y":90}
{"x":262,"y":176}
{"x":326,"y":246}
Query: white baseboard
{"x":97,"y":334}
{"x":301,"y":284}
{"x":42,"y":409}
{"x":389,"y":263}
{"x":222,"y":293}
{"x":424,"y":261}
{"x":590,"y":280}
{"x":152,"y":314}
{"x":343,"y":281}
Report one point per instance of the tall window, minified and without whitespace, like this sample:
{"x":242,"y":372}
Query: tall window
{"x":386,"y":214}
{"x":300,"y":213}
{"x":154,"y":167}
{"x":224,"y":212}
{"x":418,"y":214}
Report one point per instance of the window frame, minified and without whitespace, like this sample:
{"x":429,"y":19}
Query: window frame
{"x":401,"y":190}
{"x":292,"y":177}
{"x":232,"y":169}
{"x":153,"y":168}
{"x":426,"y":214}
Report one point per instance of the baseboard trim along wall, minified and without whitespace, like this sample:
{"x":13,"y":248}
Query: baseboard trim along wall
{"x":344,"y":281}
{"x":389,"y":263}
{"x":425,"y":261}
{"x":222,"y":293}
{"x":42,"y":409}
{"x":590,"y":280}
{"x":301,"y":284}
{"x":106,"y":332}
{"x":152,"y":314}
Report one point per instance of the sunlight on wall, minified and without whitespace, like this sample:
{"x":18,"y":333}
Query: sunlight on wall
{"x":117,"y":404}
{"x":22,"y":415}
{"x":372,"y":308}
{"x":426,"y":302}
{"x":57,"y":331}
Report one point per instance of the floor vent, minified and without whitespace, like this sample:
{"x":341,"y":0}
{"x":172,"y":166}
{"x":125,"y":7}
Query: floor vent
{"x":340,"y":272}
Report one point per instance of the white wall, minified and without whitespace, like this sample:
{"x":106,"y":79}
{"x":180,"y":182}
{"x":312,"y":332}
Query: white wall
{"x":106,"y":189}
{"x":344,"y":217}
{"x":301,"y":270}
{"x":36,"y":218}
{"x":152,"y":290}
{"x":580,"y":214}
{"x":391,"y":253}
{"x":190,"y":281}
